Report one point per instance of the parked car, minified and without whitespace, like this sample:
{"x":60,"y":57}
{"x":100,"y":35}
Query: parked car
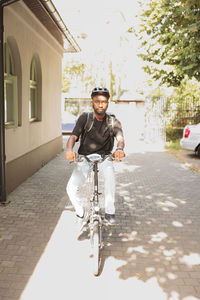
{"x":68,"y":122}
{"x":191,"y":138}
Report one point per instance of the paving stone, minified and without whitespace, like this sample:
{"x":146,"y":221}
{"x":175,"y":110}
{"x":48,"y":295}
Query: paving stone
{"x":154,"y":247}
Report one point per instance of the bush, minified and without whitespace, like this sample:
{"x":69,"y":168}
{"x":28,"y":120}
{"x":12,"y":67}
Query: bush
{"x":173,"y":134}
{"x":175,"y":145}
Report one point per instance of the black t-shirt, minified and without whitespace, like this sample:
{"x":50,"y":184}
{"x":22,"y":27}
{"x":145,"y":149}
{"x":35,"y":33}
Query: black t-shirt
{"x":98,"y":139}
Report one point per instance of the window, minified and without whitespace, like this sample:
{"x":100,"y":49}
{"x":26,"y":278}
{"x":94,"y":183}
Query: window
{"x":10,"y":90}
{"x":33,"y":109}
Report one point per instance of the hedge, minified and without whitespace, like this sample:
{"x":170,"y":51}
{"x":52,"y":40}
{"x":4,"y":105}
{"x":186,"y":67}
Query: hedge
{"x":173,"y":134}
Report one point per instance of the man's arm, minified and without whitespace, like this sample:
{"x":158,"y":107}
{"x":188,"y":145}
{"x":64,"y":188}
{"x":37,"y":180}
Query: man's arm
{"x":119,"y":152}
{"x":70,"y":154}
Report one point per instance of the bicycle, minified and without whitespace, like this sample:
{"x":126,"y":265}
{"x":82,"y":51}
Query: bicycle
{"x":94,"y":219}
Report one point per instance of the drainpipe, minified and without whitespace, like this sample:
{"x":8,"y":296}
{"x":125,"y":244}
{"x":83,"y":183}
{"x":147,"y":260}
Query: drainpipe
{"x":2,"y":122}
{"x":2,"y":109}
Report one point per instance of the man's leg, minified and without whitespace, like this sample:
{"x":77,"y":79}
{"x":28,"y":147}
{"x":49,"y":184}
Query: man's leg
{"x":77,"y":179}
{"x":109,"y":186}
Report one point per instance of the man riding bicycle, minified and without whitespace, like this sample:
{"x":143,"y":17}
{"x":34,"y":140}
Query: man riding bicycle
{"x":97,"y":132}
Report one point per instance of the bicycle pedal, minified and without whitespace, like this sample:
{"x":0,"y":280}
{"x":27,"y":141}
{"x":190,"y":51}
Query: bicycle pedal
{"x":83,"y":226}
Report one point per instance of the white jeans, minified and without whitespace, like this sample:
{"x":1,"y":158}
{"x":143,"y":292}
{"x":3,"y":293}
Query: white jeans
{"x":78,"y":178}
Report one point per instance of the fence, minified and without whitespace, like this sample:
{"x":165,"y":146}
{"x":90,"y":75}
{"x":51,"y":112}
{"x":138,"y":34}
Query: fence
{"x":155,"y":119}
{"x":182,"y":114}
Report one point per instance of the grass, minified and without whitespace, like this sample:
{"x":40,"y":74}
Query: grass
{"x":174,"y":145}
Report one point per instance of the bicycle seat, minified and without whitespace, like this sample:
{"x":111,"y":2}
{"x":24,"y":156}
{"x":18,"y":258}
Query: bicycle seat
{"x":95,"y":157}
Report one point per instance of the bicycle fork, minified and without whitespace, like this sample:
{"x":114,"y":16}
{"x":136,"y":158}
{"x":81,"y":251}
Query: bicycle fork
{"x":96,"y":209}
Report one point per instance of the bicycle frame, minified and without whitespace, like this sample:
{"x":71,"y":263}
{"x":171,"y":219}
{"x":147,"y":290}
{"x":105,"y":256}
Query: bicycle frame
{"x":94,"y":220}
{"x":94,"y":211}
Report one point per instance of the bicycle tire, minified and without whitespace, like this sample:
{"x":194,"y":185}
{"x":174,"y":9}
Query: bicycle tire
{"x":96,"y":248}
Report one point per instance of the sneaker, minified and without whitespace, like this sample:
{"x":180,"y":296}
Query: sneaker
{"x":110,"y":219}
{"x":83,"y":220}
{"x":81,"y":217}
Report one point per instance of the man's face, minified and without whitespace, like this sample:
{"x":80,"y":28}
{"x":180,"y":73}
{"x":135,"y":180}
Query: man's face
{"x":100,"y":104}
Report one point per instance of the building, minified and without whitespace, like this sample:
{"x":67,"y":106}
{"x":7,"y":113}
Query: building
{"x":35,"y":39}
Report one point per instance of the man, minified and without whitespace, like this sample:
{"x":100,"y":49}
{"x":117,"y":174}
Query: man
{"x":97,"y":139}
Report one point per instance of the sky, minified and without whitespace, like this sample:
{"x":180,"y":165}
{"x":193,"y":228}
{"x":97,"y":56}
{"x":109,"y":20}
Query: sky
{"x":100,"y":29}
{"x":102,"y":21}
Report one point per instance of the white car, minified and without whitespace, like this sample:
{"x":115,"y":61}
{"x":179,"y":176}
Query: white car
{"x":191,"y":138}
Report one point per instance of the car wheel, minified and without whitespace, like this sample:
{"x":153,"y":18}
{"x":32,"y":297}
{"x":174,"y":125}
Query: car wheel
{"x":198,"y":151}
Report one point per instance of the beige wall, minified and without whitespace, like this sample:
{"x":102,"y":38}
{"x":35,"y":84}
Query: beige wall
{"x":27,"y":38}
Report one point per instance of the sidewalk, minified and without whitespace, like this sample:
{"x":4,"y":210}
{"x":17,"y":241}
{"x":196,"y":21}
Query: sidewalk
{"x":154,"y":252}
{"x":187,"y":157}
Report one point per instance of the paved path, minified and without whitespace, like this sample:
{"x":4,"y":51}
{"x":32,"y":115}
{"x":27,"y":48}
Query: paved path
{"x":187,"y":157}
{"x":154,"y":252}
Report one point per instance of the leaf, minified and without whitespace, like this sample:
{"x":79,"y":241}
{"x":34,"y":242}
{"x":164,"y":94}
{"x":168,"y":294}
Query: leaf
{"x":172,"y":27}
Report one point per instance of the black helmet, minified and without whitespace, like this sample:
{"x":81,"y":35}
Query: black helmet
{"x":100,"y":91}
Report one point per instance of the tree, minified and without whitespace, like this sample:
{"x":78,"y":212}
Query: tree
{"x":78,"y":73}
{"x":170,"y":38}
{"x":183,"y":106}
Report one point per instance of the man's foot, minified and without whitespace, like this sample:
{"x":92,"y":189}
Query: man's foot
{"x":83,"y":220}
{"x":110,"y":219}
{"x":81,"y":213}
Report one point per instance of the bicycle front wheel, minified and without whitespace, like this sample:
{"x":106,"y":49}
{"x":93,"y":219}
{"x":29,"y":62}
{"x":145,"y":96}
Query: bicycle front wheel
{"x":96,"y":248}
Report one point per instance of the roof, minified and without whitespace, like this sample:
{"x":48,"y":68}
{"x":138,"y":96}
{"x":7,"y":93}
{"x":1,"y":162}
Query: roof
{"x":47,"y":14}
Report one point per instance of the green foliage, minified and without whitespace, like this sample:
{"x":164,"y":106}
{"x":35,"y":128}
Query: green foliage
{"x":112,"y":82}
{"x":76,"y":71}
{"x":183,"y":107}
{"x":175,"y":145}
{"x":72,"y":108}
{"x":115,"y":88}
{"x":86,"y":76}
{"x":76,"y":108}
{"x":172,"y":134}
{"x":170,"y":39}
{"x":65,"y":84}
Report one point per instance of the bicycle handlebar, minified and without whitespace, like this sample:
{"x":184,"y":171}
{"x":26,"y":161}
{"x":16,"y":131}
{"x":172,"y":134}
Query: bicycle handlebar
{"x":94,"y":158}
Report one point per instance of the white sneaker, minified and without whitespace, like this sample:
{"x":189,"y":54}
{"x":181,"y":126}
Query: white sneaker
{"x":82,"y":221}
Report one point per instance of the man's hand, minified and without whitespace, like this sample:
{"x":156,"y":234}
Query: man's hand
{"x":70,"y":156}
{"x":118,"y":154}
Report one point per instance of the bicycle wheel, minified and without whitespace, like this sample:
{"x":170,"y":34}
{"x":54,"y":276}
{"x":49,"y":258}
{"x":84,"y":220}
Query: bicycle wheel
{"x":96,"y":248}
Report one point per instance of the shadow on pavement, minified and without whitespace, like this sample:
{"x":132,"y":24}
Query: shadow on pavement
{"x":158,"y":236}
{"x":157,"y":239}
{"x":158,"y":233}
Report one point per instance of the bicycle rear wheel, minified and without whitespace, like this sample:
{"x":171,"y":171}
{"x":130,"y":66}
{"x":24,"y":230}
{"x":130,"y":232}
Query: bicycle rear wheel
{"x":96,"y":248}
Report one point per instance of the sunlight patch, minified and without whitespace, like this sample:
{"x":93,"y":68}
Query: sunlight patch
{"x":122,"y":167}
{"x":123,"y":193}
{"x":150,"y":270}
{"x":158,"y":237}
{"x":174,"y":296}
{"x":191,"y":260}
{"x":186,"y":166}
{"x":169,"y":253}
{"x":190,"y":298}
{"x":177,"y":224}
{"x":125,"y":184}
{"x":171,"y":276}
{"x":140,"y":249}
{"x":128,"y":236}
{"x":167,"y":204}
